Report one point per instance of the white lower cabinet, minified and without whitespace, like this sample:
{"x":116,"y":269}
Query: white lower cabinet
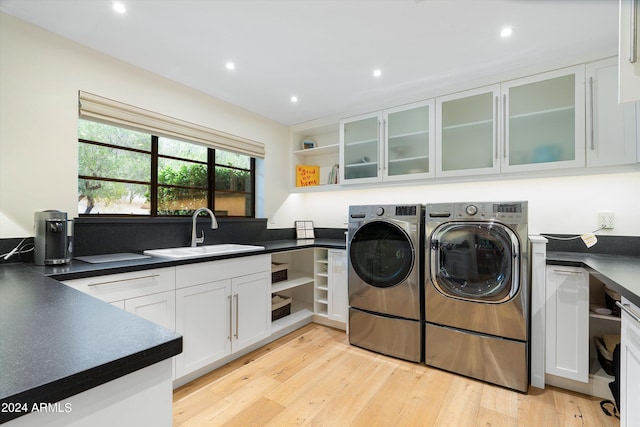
{"x":571,"y":360}
{"x":222,"y":307}
{"x":120,"y":287}
{"x":250,"y":310}
{"x":203,"y":319}
{"x":157,"y":308}
{"x":337,"y":284}
{"x":149,"y":294}
{"x":567,"y":323}
{"x":630,"y":365}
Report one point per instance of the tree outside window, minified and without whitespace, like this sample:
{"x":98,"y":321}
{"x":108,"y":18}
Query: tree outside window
{"x":124,"y":172}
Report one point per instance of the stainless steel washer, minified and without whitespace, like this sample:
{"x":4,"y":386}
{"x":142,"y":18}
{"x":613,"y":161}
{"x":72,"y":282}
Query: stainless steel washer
{"x":385,"y":279}
{"x":477,"y":291}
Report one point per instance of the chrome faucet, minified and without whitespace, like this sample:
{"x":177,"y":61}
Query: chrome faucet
{"x":214,"y":224}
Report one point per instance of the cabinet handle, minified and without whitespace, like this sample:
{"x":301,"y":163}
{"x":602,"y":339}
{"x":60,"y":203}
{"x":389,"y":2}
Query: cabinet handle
{"x":382,"y":132}
{"x":123,"y":280}
{"x":591,"y":133}
{"x":496,"y":127}
{"x":627,"y":309}
{"x":237,"y":319}
{"x":567,"y":271}
{"x":230,"y":322}
{"x":504,"y":125}
{"x":633,"y":48}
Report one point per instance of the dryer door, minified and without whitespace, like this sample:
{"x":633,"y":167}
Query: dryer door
{"x":475,"y":261}
{"x":381,"y":254}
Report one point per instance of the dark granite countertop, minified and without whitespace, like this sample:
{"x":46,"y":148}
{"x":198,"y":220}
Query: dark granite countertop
{"x":618,"y":272}
{"x":56,"y":342}
{"x":80,"y":269}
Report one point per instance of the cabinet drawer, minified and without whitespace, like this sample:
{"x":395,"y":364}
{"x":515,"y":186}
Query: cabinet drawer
{"x":205,"y":272}
{"x":123,"y":286}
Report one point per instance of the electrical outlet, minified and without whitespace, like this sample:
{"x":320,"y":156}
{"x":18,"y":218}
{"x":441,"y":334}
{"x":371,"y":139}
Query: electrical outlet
{"x":607,"y":220}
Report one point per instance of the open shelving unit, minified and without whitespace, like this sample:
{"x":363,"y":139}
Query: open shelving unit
{"x":321,"y":282}
{"x":298,"y":286}
{"x":325,"y":155}
{"x":599,"y":324}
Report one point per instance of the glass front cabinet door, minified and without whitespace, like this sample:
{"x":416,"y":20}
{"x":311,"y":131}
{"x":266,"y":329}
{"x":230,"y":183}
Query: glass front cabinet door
{"x":544,"y":121}
{"x":467,"y":134}
{"x":360,"y":146}
{"x":534,"y":123}
{"x":393,"y":144}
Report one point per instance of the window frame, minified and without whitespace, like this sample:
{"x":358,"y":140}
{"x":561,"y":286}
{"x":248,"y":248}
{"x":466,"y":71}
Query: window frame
{"x":154,"y":185}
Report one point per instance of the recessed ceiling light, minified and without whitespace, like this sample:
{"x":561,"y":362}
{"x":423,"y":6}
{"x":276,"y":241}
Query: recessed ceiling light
{"x":119,"y":7}
{"x":230,"y":66}
{"x":377,"y":72}
{"x":506,"y":32}
{"x":294,"y":99}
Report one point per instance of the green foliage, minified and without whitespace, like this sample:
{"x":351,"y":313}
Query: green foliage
{"x":182,"y":184}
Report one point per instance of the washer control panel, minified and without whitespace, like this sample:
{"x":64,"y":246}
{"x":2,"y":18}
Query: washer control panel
{"x":510,"y":212}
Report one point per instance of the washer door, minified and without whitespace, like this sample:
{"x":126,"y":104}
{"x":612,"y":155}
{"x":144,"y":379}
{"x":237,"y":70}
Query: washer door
{"x":475,"y":261}
{"x":381,"y":254}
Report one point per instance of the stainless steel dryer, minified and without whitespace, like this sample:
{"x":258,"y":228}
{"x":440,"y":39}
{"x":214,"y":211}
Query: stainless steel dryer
{"x":477,"y":291}
{"x":385,"y":279}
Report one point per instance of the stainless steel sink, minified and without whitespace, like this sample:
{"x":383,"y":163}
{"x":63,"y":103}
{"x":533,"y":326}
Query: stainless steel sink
{"x":202,"y":251}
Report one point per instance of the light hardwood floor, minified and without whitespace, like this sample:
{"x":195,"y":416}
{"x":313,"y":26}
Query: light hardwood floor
{"x":314,"y":377}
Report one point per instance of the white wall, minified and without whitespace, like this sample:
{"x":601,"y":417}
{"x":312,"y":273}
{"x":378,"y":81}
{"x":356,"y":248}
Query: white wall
{"x":565,"y":205}
{"x":40,"y":76}
{"x":41,"y":73}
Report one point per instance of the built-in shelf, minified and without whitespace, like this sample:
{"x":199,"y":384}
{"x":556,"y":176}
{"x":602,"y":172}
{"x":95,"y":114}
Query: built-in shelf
{"x":362,"y":164}
{"x":361,"y":142}
{"x":569,"y":108}
{"x":294,"y":280}
{"x":299,"y":314}
{"x":408,"y":134}
{"x":409,"y":159}
{"x":605,"y":317}
{"x":318,"y":151}
{"x":466,"y":125}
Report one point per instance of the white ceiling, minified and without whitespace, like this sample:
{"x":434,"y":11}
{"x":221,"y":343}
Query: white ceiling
{"x":324,"y":52}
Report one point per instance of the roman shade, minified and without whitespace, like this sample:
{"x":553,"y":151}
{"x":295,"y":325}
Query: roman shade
{"x":104,"y":110}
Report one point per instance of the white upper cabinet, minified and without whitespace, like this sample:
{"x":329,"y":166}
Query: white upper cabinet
{"x":611,"y":127}
{"x":543,"y":121}
{"x":408,"y":133}
{"x":467,"y":136}
{"x":393,"y":144}
{"x":628,"y":55}
{"x":534,"y":123}
{"x":360,"y":147}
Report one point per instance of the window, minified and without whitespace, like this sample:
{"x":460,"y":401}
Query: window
{"x":124,"y":172}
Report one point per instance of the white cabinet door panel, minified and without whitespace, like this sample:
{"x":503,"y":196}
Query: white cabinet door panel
{"x":338,"y":293}
{"x":611,"y":127}
{"x":630,"y":367}
{"x":157,"y":308}
{"x":629,"y":51}
{"x":567,"y":323}
{"x":202,"y":317}
{"x":251,"y":313}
